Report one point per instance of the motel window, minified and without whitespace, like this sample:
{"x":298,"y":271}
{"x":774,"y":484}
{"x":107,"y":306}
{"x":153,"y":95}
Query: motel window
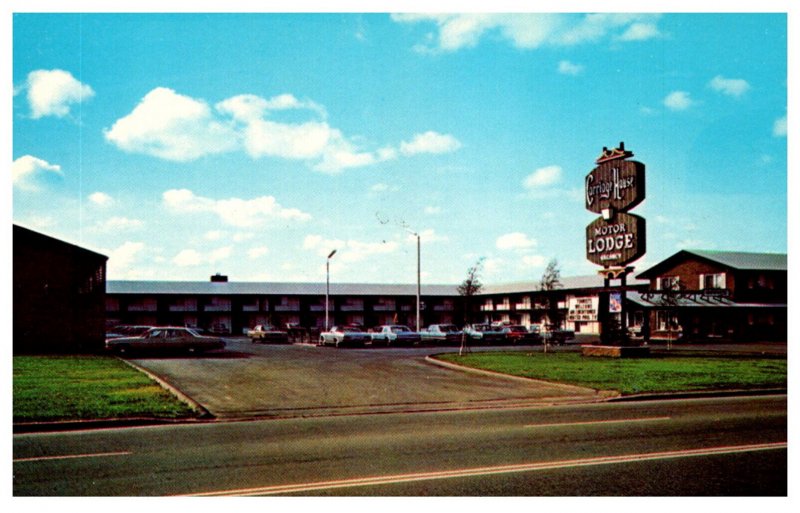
{"x":712,"y":281}
{"x":666,"y":320}
{"x":668,"y":283}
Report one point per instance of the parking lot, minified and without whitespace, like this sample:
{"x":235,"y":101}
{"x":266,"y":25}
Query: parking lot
{"x":270,"y":380}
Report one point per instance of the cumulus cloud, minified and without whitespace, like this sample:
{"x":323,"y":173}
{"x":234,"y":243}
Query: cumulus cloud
{"x":729,"y":86}
{"x":430,"y":142}
{"x":188,"y":258}
{"x":118,"y":224}
{"x":515,"y":240}
{"x":121,"y":260}
{"x":569,"y":68}
{"x":257,"y":252}
{"x":531,"y":30}
{"x":640,"y":32}
{"x":30,"y":173}
{"x":542,"y":177}
{"x":172,"y":126}
{"x":53,"y":92}
{"x":101,"y":199}
{"x":678,"y":100}
{"x":779,"y":127}
{"x":234,"y":211}
{"x":348,"y":251}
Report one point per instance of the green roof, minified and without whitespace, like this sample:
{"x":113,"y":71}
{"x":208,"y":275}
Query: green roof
{"x":745,"y":261}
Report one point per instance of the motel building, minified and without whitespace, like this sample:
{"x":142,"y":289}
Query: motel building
{"x":62,"y":300}
{"x":692,"y":296}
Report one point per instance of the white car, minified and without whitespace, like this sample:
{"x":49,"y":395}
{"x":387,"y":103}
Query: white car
{"x":340,"y":336}
{"x":394,"y":335}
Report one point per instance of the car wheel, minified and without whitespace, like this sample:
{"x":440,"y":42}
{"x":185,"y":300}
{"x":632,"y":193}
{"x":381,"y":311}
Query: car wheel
{"x":321,"y":341}
{"x":123,"y":350}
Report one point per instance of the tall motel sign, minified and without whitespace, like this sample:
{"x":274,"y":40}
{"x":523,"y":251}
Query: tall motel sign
{"x":616,"y":238}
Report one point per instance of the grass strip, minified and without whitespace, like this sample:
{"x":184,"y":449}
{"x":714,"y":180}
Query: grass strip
{"x":50,"y":388}
{"x":634,"y":375}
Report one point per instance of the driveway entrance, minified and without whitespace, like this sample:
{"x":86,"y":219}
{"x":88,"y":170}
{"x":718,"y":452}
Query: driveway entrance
{"x":254,"y":380}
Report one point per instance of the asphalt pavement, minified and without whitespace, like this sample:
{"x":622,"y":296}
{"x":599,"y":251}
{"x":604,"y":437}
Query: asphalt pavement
{"x":271,"y":380}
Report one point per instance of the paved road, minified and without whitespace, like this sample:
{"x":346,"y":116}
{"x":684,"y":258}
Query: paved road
{"x":720,"y":446}
{"x":258,"y":380}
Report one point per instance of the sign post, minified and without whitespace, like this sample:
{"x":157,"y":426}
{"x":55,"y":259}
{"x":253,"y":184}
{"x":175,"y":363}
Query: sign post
{"x":616,"y":238}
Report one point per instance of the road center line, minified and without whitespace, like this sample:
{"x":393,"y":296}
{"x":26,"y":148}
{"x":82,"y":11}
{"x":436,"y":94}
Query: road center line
{"x":73,"y":456}
{"x":598,"y":422}
{"x":484,"y":471}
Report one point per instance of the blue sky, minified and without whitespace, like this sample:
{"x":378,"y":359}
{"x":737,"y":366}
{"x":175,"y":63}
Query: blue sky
{"x":254,"y":144}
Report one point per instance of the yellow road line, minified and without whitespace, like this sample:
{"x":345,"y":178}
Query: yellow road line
{"x":485,"y":471}
{"x":598,"y":422}
{"x":73,"y":456}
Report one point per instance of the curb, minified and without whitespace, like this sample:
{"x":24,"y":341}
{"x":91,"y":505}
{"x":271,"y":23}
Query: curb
{"x":604,"y":394}
{"x":204,"y":413}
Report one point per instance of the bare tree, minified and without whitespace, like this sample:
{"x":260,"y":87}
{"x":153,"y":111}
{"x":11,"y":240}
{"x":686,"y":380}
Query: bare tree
{"x":468,"y":289}
{"x":550,"y":281}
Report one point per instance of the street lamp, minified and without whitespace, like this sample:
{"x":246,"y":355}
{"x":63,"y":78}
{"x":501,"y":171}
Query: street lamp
{"x":328,"y":286}
{"x":415,"y":234}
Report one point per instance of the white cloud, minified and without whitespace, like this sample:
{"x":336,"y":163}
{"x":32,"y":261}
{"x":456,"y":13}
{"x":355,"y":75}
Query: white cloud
{"x":348,"y":251}
{"x":257,"y":252}
{"x":214,"y":235}
{"x":730,"y":86}
{"x":188,"y":258}
{"x":678,"y":100}
{"x":426,"y":236}
{"x":542,"y":177}
{"x":52,"y":92}
{"x":172,"y":127}
{"x":118,"y":223}
{"x":431,"y":210}
{"x":233,"y":211}
{"x":514,"y":240}
{"x":101,"y":199}
{"x":430,"y":142}
{"x":569,"y":68}
{"x":640,"y":32}
{"x":531,"y":30}
{"x":779,"y":127}
{"x":535,"y":261}
{"x":175,"y":127}
{"x":194,"y":258}
{"x":30,"y":173}
{"x":122,"y":259}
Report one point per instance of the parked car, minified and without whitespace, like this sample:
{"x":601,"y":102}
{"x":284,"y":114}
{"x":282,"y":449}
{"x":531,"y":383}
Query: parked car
{"x":394,"y":335}
{"x":167,"y":338}
{"x":265,"y":333}
{"x":340,"y":336}
{"x":517,"y":334}
{"x":441,"y":333}
{"x":125,"y":330}
{"x":484,"y":333}
{"x":555,"y":335}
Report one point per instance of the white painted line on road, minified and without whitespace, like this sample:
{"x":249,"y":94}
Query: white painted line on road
{"x":598,"y":422}
{"x":73,"y":456}
{"x":485,"y":471}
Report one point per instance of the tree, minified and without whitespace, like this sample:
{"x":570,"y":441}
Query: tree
{"x":470,"y":287}
{"x":550,"y":281}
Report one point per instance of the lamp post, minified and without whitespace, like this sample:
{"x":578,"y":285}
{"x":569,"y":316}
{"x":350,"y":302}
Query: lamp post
{"x":328,"y":286}
{"x":415,"y":234}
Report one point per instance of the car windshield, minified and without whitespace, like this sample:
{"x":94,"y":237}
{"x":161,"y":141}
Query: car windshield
{"x":400,"y":329}
{"x":349,"y":330}
{"x":516,"y":329}
{"x":448,"y":328}
{"x":192,"y":332}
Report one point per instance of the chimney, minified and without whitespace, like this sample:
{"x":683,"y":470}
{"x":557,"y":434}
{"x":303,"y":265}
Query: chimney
{"x":219,"y":278}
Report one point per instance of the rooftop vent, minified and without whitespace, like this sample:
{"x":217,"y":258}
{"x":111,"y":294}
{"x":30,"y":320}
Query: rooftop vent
{"x":219,"y":278}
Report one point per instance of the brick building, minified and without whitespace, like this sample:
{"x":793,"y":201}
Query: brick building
{"x":714,"y":295}
{"x":59,"y":295}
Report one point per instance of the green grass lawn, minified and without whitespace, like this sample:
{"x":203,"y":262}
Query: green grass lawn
{"x":635,"y":375}
{"x":50,"y":388}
